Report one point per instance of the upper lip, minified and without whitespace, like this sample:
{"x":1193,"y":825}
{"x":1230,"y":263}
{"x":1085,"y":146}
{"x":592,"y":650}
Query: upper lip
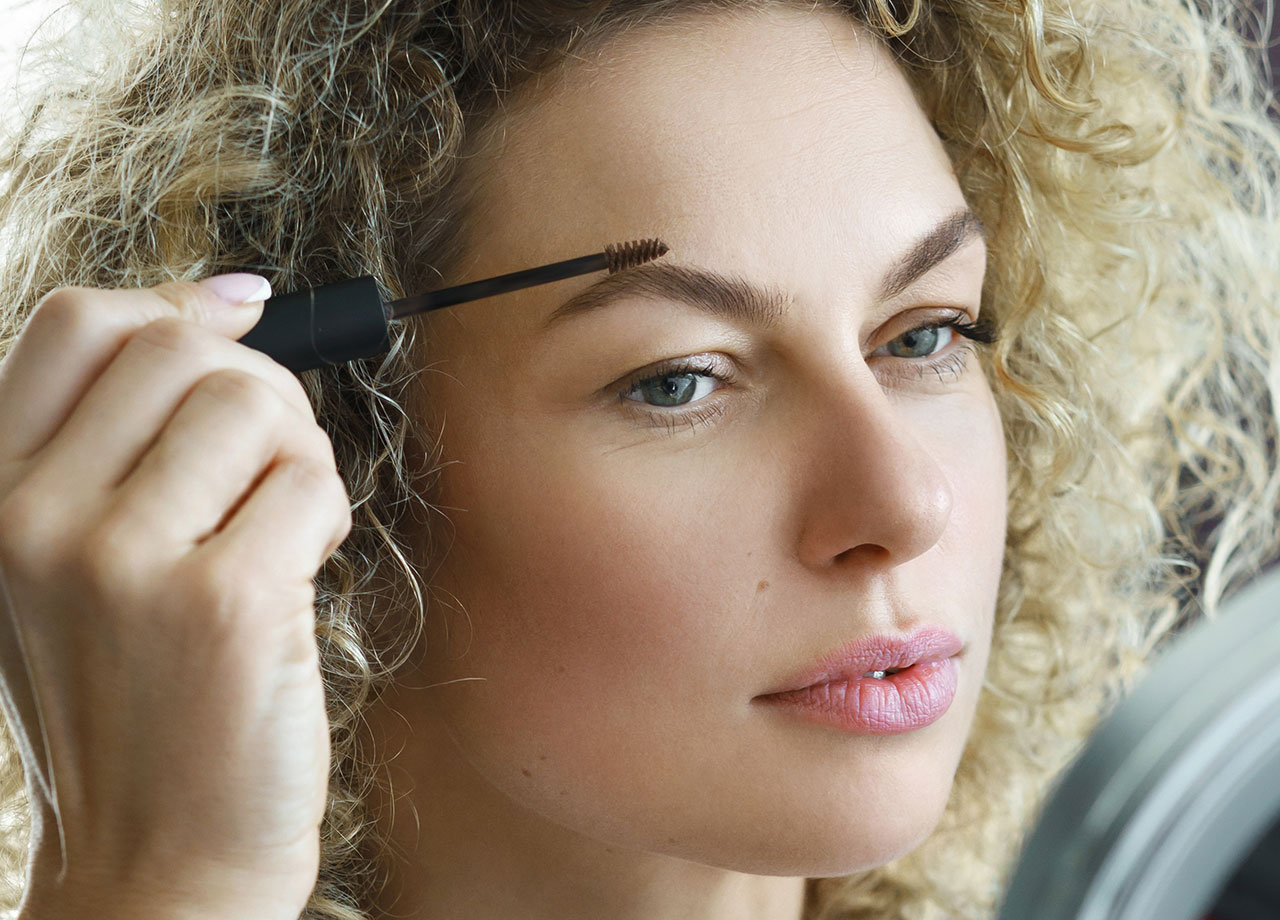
{"x":876,"y":653}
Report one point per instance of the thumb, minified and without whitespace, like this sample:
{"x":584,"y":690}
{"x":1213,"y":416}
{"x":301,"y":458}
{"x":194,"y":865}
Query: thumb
{"x":233,"y":302}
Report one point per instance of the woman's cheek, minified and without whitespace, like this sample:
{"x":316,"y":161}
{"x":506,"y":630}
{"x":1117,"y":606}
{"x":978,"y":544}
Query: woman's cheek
{"x":592,"y":596}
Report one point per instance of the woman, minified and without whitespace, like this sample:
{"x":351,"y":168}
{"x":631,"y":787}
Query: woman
{"x":596,"y":529}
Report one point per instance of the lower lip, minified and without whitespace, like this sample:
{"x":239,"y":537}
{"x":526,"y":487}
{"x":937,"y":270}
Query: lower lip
{"x":898,"y":703}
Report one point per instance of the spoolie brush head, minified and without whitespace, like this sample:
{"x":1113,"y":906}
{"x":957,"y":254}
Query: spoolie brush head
{"x":629,"y":255}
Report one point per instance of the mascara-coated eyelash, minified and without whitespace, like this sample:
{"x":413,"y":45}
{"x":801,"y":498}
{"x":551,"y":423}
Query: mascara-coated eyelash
{"x":982,"y":330}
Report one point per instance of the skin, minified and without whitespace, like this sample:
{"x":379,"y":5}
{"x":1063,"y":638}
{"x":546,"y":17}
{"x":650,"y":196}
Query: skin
{"x":580,"y":740}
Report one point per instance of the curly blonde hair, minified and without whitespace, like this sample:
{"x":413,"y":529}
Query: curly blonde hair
{"x":1123,"y":156}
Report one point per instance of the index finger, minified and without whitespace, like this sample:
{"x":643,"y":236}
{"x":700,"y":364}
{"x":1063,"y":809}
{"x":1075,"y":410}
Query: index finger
{"x":73,"y":334}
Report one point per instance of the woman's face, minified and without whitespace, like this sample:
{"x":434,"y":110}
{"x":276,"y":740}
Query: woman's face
{"x":633,"y":566}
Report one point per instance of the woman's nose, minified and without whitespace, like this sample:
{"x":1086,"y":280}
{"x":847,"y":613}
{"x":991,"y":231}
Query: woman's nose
{"x":870,"y":485}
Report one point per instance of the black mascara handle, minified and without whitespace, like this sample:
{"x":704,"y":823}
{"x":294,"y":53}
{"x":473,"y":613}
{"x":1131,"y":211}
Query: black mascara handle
{"x":331,"y":324}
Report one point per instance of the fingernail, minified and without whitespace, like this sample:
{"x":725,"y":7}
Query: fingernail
{"x":238,"y":287}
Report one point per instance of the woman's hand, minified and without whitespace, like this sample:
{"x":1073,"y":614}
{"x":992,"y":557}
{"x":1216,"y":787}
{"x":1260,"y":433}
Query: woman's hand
{"x":166,"y":498}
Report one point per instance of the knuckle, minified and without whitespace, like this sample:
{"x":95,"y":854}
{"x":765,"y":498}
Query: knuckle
{"x":346,"y":519}
{"x":185,"y":296}
{"x":310,"y":474}
{"x":281,"y":381}
{"x":286,"y":384}
{"x":342,"y":500}
{"x":342,"y":508}
{"x":243,"y":391}
{"x":174,"y":334}
{"x":318,"y":476}
{"x":317,"y":446}
{"x":321,"y":482}
{"x":64,"y":309}
{"x":304,"y":439}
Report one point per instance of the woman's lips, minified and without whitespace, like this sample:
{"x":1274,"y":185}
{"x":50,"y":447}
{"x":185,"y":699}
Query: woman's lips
{"x":875,"y":653}
{"x":902,"y":702}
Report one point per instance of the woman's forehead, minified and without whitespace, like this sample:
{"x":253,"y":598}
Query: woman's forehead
{"x":729,"y":91}
{"x":737,"y":141}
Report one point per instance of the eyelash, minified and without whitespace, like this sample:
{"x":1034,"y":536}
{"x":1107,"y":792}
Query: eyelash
{"x":982,"y":331}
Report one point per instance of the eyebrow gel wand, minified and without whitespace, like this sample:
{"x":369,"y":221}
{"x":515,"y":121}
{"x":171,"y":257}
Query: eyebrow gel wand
{"x":340,"y":322}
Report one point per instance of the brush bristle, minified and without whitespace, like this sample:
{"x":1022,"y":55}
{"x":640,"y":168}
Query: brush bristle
{"x":629,"y":255}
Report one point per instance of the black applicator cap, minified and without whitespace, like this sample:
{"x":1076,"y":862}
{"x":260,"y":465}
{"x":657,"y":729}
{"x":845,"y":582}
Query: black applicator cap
{"x":340,"y":322}
{"x":330,"y":324}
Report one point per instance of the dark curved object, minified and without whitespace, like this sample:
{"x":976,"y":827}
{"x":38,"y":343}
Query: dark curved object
{"x":1172,"y":809}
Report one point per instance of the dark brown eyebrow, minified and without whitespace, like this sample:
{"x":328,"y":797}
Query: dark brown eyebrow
{"x":735,"y":298}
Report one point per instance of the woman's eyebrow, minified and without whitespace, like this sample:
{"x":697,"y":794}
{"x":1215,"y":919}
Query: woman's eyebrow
{"x":735,"y":298}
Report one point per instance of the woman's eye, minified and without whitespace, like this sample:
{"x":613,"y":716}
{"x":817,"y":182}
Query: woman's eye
{"x":678,"y":383}
{"x":686,"y":381}
{"x":921,"y":342}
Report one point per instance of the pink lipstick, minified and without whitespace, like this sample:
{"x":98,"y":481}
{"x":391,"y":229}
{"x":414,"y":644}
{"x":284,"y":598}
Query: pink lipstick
{"x":878,"y":685}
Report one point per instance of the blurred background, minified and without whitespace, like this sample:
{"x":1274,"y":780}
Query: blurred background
{"x":20,"y":20}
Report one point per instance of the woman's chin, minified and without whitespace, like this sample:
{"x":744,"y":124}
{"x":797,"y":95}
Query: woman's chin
{"x":809,"y":850}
